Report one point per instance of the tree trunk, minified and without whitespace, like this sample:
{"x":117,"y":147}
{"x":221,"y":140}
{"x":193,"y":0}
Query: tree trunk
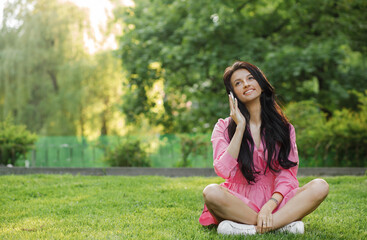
{"x":81,"y":120}
{"x":54,"y":81}
{"x":104,"y":129}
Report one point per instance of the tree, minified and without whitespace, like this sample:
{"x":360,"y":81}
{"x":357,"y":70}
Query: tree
{"x":48,"y":80}
{"x":36,"y":62}
{"x":304,"y":47}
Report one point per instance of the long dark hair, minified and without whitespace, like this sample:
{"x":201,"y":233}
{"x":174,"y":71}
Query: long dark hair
{"x":274,"y":126}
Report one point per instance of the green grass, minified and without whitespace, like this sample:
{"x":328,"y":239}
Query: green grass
{"x":110,"y":207}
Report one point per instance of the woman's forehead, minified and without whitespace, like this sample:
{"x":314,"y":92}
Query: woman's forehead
{"x":240,"y":74}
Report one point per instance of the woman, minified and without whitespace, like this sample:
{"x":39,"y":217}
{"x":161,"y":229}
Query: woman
{"x":255,"y":152}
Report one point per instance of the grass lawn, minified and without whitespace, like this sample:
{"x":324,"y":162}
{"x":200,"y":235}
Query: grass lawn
{"x":146,"y":207}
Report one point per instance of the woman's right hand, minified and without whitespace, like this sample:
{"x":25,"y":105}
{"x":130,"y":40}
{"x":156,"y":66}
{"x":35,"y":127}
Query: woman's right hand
{"x":236,"y":114}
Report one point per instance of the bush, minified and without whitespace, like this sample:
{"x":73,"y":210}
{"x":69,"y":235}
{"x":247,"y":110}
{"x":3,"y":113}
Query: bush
{"x":346,"y":139}
{"x":310,"y":124}
{"x":339,"y":141}
{"x":196,"y":144}
{"x":15,"y":141}
{"x":129,"y":153}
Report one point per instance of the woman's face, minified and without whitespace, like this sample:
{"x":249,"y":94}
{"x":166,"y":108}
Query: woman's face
{"x":245,"y":86}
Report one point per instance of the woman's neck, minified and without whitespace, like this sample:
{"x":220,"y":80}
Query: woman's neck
{"x":254,"y":109}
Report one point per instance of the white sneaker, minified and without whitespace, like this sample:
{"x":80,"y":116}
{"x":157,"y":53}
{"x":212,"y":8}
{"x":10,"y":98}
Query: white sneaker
{"x":227,"y":227}
{"x":293,"y":227}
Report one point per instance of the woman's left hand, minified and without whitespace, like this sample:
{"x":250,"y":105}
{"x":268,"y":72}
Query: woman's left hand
{"x":265,"y":219}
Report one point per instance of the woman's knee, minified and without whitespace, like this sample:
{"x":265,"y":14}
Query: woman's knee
{"x":319,"y":188}
{"x":212,"y":193}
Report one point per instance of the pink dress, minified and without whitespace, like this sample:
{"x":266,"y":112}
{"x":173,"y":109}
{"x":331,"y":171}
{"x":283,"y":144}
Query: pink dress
{"x":255,"y":196}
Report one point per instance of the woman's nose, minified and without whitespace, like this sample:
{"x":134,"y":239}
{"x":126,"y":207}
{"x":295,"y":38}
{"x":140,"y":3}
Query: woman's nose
{"x":245,"y":83}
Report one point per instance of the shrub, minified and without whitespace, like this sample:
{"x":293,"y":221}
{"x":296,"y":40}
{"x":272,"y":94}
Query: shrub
{"x":196,"y":144}
{"x":339,"y":141}
{"x":309,"y":122}
{"x":15,"y":141}
{"x":129,"y":153}
{"x":347,"y":135}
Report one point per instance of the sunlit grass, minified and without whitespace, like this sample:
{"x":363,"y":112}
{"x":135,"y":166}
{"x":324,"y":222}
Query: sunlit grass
{"x":146,"y":207}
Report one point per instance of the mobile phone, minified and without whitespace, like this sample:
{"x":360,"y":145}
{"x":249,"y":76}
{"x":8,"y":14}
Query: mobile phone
{"x":232,"y":96}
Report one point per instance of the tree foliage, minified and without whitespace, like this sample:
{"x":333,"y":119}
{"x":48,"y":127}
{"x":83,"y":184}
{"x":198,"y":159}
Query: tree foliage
{"x":308,"y":50}
{"x":129,"y":153}
{"x":339,"y":141}
{"x":196,"y":144}
{"x":15,"y":140}
{"x":48,"y":80}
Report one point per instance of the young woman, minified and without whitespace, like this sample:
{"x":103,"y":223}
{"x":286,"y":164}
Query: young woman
{"x":255,"y":152}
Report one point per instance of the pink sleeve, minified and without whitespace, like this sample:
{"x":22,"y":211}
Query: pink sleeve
{"x":224,"y":164}
{"x":286,"y":179}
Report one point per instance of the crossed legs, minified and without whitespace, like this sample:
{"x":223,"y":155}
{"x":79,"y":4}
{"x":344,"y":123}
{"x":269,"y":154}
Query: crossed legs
{"x":225,"y":206}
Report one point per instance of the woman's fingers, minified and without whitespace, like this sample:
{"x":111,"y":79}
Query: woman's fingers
{"x":235,"y":113}
{"x":264,"y":224}
{"x":232,"y":106}
{"x":237,"y":108}
{"x":240,"y":117}
{"x":271,"y":222}
{"x":261,"y":224}
{"x":231,"y":103}
{"x":268,"y":224}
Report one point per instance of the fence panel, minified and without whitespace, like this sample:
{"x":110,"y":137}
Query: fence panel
{"x":163,"y":150}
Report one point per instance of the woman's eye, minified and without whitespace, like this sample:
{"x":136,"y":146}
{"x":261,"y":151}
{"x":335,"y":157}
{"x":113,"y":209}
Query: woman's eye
{"x":237,"y":83}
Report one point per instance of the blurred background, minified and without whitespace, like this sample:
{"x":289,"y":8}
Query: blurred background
{"x":139,"y":83}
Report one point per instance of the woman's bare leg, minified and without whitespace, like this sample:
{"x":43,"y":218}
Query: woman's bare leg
{"x":307,"y":199}
{"x":225,"y":206}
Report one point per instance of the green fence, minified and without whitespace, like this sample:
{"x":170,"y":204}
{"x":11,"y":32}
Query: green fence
{"x":71,"y":151}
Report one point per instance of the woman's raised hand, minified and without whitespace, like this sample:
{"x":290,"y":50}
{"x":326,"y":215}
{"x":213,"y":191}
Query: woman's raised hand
{"x":236,"y":114}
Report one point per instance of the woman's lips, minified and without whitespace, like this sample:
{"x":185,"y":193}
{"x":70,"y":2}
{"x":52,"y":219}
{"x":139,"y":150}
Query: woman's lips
{"x":247,"y":92}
